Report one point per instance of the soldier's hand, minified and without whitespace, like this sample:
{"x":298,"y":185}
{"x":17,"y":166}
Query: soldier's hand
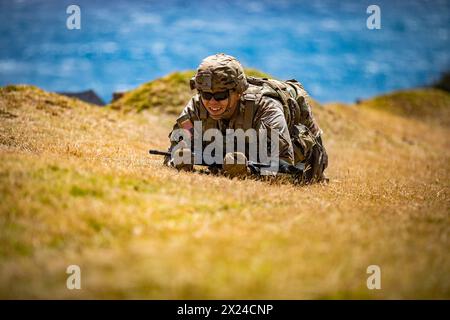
{"x":182,"y":158}
{"x":235,"y":164}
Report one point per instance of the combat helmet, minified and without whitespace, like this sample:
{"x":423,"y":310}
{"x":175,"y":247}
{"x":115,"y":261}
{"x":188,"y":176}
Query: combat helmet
{"x":219,"y":72}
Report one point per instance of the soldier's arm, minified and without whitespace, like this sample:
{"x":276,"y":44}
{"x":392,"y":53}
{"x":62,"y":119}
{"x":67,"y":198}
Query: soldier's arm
{"x":184,"y":121}
{"x":270,"y":116}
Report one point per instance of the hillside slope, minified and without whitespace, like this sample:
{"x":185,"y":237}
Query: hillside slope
{"x":78,"y":187}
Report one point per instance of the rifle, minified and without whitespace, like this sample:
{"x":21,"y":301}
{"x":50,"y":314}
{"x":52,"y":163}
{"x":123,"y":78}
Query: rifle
{"x":249,"y":163}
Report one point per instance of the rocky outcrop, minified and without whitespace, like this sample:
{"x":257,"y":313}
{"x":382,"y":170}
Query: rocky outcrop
{"x":89,"y":96}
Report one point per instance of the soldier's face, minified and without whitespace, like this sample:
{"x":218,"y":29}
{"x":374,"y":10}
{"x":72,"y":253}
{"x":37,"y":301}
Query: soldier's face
{"x":222,"y":109}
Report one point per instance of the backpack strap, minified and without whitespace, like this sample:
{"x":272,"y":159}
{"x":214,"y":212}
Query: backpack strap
{"x":248,"y":105}
{"x":283,"y":95}
{"x":294,"y":104}
{"x":249,"y":110}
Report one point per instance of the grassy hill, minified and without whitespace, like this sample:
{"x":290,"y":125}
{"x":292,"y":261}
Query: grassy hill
{"x":78,"y":187}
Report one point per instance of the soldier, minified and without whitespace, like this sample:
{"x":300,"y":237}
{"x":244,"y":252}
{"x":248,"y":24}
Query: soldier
{"x":227,"y":99}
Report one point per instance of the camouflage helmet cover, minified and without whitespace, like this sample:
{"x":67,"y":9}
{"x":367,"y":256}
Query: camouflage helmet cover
{"x":220,"y":72}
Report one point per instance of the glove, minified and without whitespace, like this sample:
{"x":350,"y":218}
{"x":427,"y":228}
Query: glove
{"x":235,"y":165}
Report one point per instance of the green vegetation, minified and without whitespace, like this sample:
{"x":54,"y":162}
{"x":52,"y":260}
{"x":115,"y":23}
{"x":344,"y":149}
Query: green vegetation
{"x":421,"y":104}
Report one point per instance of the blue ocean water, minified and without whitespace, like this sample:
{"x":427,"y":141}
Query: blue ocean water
{"x":324,"y":44}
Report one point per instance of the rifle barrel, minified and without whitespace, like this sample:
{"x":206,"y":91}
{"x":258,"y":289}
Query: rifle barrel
{"x":165,"y":153}
{"x":159,"y":153}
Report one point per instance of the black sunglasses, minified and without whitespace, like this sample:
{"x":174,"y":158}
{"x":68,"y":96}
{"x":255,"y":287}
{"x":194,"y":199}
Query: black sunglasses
{"x":218,"y":96}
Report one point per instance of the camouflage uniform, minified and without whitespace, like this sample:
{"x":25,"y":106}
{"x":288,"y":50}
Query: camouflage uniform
{"x":259,"y":107}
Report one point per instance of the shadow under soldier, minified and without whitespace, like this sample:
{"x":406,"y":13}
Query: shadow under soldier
{"x":227,"y":99}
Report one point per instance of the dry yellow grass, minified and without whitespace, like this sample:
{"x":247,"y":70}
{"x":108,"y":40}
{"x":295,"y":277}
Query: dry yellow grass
{"x":78,"y":187}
